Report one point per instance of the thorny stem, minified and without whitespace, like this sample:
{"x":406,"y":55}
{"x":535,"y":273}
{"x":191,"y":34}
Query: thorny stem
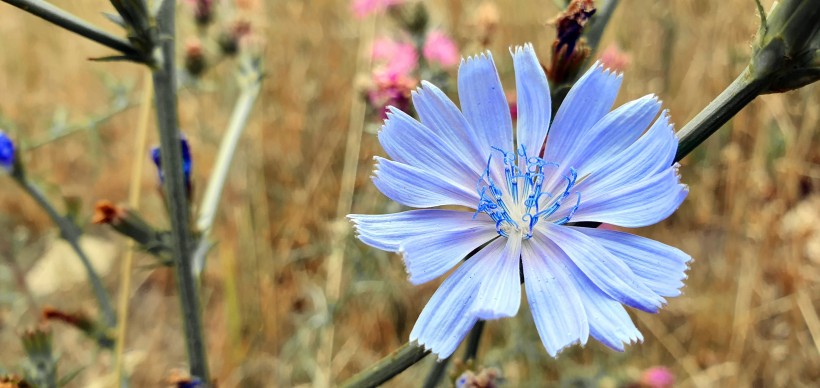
{"x":71,"y":233}
{"x":62,"y":18}
{"x":251,"y":84}
{"x":395,"y":363}
{"x":164,"y":77}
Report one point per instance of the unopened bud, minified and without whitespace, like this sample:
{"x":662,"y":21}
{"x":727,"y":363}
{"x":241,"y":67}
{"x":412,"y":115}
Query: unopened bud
{"x":130,"y":224}
{"x":194,"y":57}
{"x":412,"y":17}
{"x":186,"y":163}
{"x":229,"y":40}
{"x":6,"y":153}
{"x":787,"y":46}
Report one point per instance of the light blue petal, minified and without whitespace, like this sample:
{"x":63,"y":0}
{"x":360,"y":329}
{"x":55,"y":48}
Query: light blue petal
{"x":589,"y":100}
{"x":388,"y":231}
{"x":534,"y":106}
{"x":414,"y":187}
{"x":446,"y":318}
{"x":661,"y":267}
{"x":614,"y":133}
{"x":642,"y":203}
{"x":442,"y":116}
{"x":554,"y":301}
{"x":500,"y":293}
{"x":408,"y":141}
{"x":484,"y":104}
{"x":650,"y":154}
{"x":606,"y":271}
{"x":608,"y":320}
{"x":432,"y":255}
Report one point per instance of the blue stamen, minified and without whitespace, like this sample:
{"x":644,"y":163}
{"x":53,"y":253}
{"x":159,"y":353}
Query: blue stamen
{"x":523,"y":183}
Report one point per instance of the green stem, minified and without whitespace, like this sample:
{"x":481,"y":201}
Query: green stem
{"x":437,"y":373}
{"x":251,"y":85}
{"x":439,"y":369}
{"x":737,"y":95}
{"x":62,"y":18}
{"x":164,"y":77}
{"x":473,"y":340}
{"x":598,"y":24}
{"x":71,"y":233}
{"x":395,"y":363}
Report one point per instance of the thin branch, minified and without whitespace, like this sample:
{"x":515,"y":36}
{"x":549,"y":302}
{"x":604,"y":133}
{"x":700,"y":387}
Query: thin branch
{"x":140,"y":138}
{"x":71,"y":233}
{"x":64,"y":19}
{"x":384,"y":370}
{"x":251,"y":84}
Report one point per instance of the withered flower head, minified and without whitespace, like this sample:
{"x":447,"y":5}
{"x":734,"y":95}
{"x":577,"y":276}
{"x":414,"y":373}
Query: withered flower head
{"x":105,"y":212}
{"x":570,"y":25}
{"x":569,"y":51}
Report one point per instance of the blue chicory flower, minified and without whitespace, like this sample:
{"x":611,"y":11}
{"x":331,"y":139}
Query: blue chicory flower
{"x":597,"y":166}
{"x":6,"y":152}
{"x":186,"y":162}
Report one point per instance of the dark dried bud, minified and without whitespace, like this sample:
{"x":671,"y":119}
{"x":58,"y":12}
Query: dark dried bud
{"x":569,"y":51}
{"x":130,"y":224}
{"x":230,"y":38}
{"x":194,"y":57}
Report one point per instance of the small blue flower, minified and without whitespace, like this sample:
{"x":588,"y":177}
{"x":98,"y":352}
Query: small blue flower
{"x":6,"y":152}
{"x":186,"y":162}
{"x":523,"y":189}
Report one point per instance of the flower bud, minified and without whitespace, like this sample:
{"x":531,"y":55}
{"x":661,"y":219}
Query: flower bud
{"x":787,"y":46}
{"x":186,"y":162}
{"x":6,"y":153}
{"x":194,"y":57}
{"x":203,"y":11}
{"x":412,"y":17}
{"x":230,"y":38}
{"x":41,"y":366}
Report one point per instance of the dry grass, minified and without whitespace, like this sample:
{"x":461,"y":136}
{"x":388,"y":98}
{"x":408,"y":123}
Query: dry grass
{"x":752,"y":219}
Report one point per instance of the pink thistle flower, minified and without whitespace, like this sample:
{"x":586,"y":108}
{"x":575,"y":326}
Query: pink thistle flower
{"x":390,"y":89}
{"x":657,"y":377}
{"x":613,"y":58}
{"x":394,"y":58}
{"x":203,"y":11}
{"x":440,"y":49}
{"x":364,"y":8}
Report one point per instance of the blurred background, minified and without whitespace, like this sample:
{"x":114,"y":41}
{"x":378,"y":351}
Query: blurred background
{"x":751,"y":222}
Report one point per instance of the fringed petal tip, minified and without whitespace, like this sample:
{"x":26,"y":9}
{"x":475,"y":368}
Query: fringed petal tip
{"x":620,"y":346}
{"x":555,"y":352}
{"x":482,"y":56}
{"x":520,"y":49}
{"x":600,"y":67}
{"x":439,"y":356}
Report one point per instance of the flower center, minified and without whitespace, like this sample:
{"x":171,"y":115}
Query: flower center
{"x":520,"y":201}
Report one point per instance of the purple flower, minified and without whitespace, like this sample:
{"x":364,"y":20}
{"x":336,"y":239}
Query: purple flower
{"x":6,"y":152}
{"x":186,"y":162}
{"x":597,"y":166}
{"x":440,"y":49}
